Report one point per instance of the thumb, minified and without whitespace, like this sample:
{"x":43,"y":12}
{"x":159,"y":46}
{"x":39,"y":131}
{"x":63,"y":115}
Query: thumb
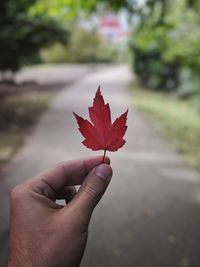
{"x":92,"y":189}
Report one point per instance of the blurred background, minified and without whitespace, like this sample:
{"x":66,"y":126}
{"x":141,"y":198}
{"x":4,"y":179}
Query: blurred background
{"x":146,"y":55}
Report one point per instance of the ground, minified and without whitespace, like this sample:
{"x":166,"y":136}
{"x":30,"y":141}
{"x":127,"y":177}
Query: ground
{"x":150,"y":214}
{"x":23,"y":102}
{"x":176,"y":119}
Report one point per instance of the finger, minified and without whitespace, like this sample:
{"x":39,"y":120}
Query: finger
{"x":65,"y":174}
{"x":92,"y":190}
{"x":67,"y":193}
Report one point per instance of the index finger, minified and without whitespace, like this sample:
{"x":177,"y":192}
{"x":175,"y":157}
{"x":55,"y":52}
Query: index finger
{"x":68,"y":173}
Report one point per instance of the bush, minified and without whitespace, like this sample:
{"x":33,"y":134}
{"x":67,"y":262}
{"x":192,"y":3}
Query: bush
{"x":83,"y":46}
{"x":154,"y":73}
{"x":148,"y":47}
{"x":165,"y":51}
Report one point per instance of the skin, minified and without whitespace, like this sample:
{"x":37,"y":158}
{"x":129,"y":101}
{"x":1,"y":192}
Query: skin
{"x":44,"y":233}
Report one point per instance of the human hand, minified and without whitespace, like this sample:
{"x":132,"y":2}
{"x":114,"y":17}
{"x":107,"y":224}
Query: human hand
{"x":46,"y":234}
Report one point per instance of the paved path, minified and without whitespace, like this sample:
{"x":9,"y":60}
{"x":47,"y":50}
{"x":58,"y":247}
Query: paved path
{"x":150,"y":216}
{"x":55,"y":74}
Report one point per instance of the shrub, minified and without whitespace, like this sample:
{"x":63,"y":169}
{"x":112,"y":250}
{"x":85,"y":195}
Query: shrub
{"x":83,"y":46}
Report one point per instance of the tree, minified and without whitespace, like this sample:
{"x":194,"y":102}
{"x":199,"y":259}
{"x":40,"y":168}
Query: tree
{"x":22,"y":35}
{"x":165,"y":44}
{"x":165,"y":40}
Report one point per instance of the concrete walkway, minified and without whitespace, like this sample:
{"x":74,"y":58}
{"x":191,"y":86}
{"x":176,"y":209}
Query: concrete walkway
{"x":150,"y":216}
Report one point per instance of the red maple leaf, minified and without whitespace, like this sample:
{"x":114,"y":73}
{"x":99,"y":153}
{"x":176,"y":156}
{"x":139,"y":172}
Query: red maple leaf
{"x":102,"y":134}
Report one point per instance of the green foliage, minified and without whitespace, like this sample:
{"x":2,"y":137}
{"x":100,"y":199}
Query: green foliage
{"x":22,"y":35}
{"x":83,"y":46}
{"x":165,"y":43}
{"x":70,"y":9}
{"x":149,"y":47}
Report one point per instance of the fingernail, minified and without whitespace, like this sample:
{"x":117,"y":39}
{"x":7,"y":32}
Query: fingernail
{"x":104,"y":171}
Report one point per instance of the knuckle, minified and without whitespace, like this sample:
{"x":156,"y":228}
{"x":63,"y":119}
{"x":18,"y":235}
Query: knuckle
{"x":61,"y":169}
{"x":17,"y":192}
{"x":91,"y":192}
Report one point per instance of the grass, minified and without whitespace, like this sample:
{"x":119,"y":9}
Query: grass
{"x":177,"y":120}
{"x":18,"y":113}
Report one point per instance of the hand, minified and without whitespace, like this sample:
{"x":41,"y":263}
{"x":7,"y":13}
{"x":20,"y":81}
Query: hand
{"x":46,"y":234}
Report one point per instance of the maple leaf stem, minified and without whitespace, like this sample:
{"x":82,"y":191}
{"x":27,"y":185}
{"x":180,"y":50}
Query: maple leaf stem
{"x":104,"y":154}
